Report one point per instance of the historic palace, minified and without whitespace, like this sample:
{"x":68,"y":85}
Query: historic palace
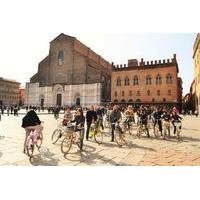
{"x":152,"y":83}
{"x":73,"y":74}
{"x":9,"y":92}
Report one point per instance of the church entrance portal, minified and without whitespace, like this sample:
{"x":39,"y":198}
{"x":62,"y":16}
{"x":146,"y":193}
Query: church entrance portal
{"x":59,"y":100}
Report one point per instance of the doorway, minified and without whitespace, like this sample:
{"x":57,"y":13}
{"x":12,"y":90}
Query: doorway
{"x":78,"y":101}
{"x":59,"y":100}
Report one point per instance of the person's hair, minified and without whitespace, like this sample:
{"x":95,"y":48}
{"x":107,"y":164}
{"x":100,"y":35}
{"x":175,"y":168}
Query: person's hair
{"x":80,"y":110}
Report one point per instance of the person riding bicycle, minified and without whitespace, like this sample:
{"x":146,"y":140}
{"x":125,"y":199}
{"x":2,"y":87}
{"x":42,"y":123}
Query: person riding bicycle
{"x":129,"y":115}
{"x":30,"y":121}
{"x":79,"y":125}
{"x":143,"y":119}
{"x":166,"y":117}
{"x":115,"y":117}
{"x":68,"y":116}
{"x":175,"y":118}
{"x":100,"y":114}
{"x":157,"y":119}
{"x":91,"y":116}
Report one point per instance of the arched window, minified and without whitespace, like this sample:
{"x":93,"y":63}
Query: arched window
{"x":138,"y":93}
{"x":126,"y":81}
{"x":115,"y":101}
{"x":169,"y":92}
{"x":158,"y":92}
{"x":60,"y":58}
{"x":115,"y":93}
{"x":158,"y":79}
{"x":118,"y":81}
{"x":148,"y":80}
{"x":123,"y":93}
{"x":164,"y":99}
{"x":169,"y":79}
{"x":135,"y":80}
{"x":153,"y":100}
{"x":148,"y":92}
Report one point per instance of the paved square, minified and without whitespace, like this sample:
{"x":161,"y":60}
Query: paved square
{"x":144,"y":151}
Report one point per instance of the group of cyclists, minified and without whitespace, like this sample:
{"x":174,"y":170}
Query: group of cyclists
{"x":113,"y":117}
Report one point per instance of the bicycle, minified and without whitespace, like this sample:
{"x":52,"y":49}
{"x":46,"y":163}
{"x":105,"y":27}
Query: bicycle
{"x":71,"y":137}
{"x":142,"y":128}
{"x":35,"y":138}
{"x":157,"y":131}
{"x":120,"y":138}
{"x":166,"y":127}
{"x":96,"y":133}
{"x":178,"y":125}
{"x":58,"y":132}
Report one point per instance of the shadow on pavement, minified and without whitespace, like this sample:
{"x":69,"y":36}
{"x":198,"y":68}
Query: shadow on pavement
{"x":78,"y":155}
{"x":2,"y":137}
{"x":190,"y":129}
{"x":142,"y":147}
{"x":44,"y":158}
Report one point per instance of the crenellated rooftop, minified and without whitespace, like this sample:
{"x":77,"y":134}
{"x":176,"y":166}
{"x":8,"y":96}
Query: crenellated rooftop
{"x":134,"y":64}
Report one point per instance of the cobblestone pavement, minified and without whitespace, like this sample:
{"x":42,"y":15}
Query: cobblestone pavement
{"x":143,"y":151}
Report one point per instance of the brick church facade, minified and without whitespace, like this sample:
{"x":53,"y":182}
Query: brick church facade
{"x":72,"y":74}
{"x":152,"y":83}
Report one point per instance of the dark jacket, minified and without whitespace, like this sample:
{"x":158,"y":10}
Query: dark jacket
{"x":115,"y":116}
{"x":79,"y":120}
{"x":91,"y":115}
{"x":30,"y":119}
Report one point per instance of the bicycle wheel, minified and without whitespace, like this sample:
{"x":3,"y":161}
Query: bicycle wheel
{"x":119,"y":138}
{"x":66,"y":144}
{"x":56,"y":135}
{"x":98,"y":136}
{"x":39,"y":141}
{"x":30,"y":150}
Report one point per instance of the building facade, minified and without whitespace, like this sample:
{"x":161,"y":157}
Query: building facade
{"x":72,"y":74}
{"x":196,"y":57}
{"x":9,"y":92}
{"x":152,"y":83}
{"x":21,"y":96}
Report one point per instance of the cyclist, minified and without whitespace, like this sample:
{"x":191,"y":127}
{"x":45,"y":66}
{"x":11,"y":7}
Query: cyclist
{"x":30,"y":121}
{"x":67,"y":117}
{"x":166,"y":117}
{"x":175,"y":118}
{"x":80,"y":121}
{"x":115,"y":117}
{"x":129,"y":115}
{"x":91,"y":116}
{"x":157,"y":119}
{"x":100,"y":114}
{"x":143,"y":119}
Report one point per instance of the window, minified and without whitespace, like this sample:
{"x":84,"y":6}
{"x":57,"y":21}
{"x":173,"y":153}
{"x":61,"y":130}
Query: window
{"x":138,"y":93}
{"x":60,"y":58}
{"x":169,"y":92}
{"x":148,"y":80}
{"x":148,"y":92}
{"x":153,"y":100}
{"x":135,"y":80}
{"x":169,"y":79}
{"x":115,"y":93}
{"x":130,"y":93}
{"x":118,"y":82}
{"x":126,"y":81}
{"x":123,"y":93}
{"x":158,"y":80}
{"x":164,"y":99}
{"x":158,"y":92}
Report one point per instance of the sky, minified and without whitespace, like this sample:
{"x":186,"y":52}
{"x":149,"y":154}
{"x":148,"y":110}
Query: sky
{"x":22,"y":51}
